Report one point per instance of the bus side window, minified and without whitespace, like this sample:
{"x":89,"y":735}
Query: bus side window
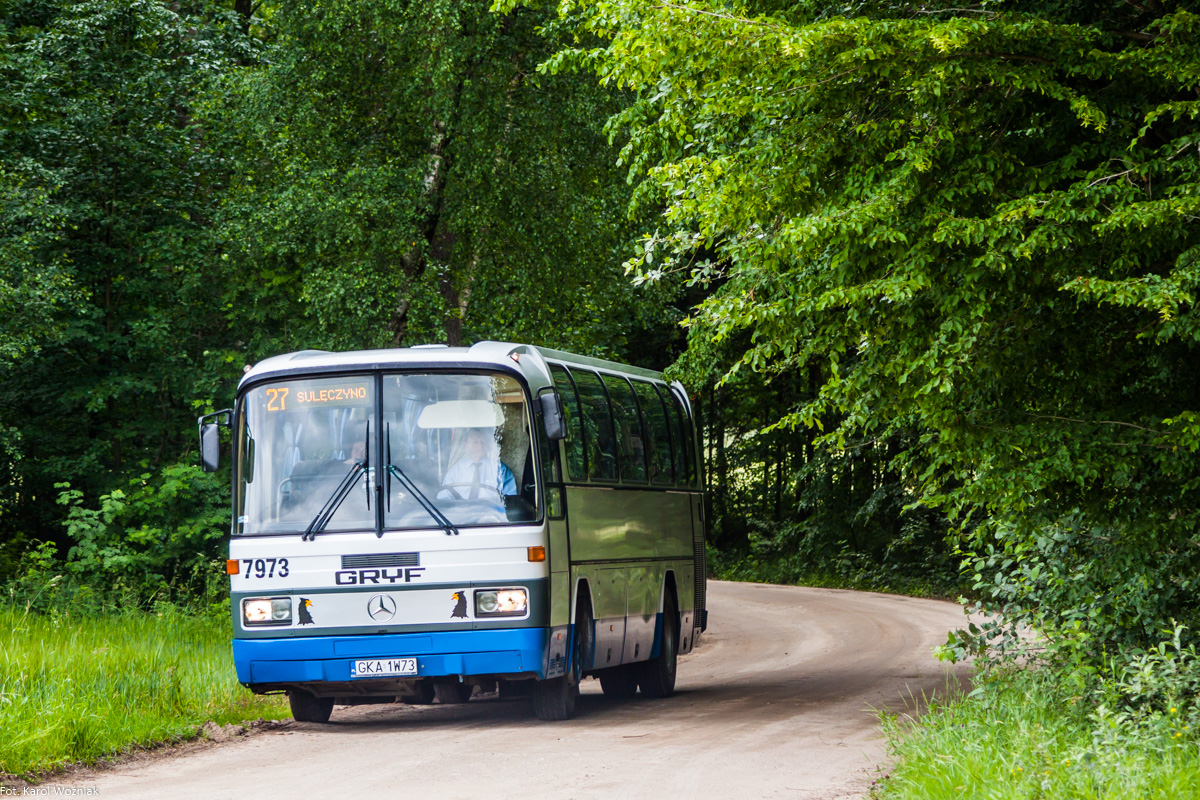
{"x":598,"y":427}
{"x":676,"y":433}
{"x":576,"y":469}
{"x":631,"y":448}
{"x":658,"y":446}
{"x":687,"y":455}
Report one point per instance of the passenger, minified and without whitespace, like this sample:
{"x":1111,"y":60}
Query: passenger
{"x":479,"y":475}
{"x":357,"y":453}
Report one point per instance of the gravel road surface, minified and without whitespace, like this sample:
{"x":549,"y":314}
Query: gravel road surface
{"x":780,"y":700}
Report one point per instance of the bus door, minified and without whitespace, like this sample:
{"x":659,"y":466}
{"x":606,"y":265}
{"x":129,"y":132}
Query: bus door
{"x":558,"y":549}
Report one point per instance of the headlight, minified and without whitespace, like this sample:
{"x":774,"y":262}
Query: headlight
{"x":501,"y":603}
{"x":267,"y":611}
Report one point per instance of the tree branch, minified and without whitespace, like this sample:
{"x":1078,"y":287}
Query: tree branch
{"x":1097,"y":422}
{"x":1108,"y":178}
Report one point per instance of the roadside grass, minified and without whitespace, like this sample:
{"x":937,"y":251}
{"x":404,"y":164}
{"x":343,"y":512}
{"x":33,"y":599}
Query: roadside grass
{"x":1023,"y":737}
{"x":79,"y":689}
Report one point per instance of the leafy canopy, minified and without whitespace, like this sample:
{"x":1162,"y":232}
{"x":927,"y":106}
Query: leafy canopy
{"x":980,"y":222}
{"x":409,"y":176}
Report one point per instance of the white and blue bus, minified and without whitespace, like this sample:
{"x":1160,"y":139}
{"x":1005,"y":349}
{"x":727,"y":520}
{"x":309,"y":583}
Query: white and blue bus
{"x":411,"y":524}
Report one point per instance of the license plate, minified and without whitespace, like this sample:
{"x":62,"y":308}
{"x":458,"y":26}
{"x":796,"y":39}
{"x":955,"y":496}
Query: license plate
{"x":383,"y":667}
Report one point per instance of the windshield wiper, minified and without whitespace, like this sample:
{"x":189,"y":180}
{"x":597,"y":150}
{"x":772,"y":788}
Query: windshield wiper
{"x":441,"y":519}
{"x":432,"y":510}
{"x":335,"y":500}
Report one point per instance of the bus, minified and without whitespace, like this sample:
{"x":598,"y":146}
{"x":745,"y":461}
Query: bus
{"x":410,"y":524}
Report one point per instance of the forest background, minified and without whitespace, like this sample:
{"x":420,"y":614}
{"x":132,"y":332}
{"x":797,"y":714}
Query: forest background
{"x":928,"y":271}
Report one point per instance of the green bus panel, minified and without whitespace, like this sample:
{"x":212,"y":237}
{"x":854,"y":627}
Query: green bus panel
{"x":645,"y":582}
{"x":628,"y":524}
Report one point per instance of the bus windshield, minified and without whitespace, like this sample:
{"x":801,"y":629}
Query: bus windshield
{"x":399,"y":451}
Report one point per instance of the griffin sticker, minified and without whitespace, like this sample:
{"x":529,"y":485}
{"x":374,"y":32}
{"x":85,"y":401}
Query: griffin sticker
{"x":460,"y":608}
{"x":305,"y":617}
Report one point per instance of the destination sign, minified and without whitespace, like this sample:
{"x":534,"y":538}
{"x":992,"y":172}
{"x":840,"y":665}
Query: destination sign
{"x":334,"y":393}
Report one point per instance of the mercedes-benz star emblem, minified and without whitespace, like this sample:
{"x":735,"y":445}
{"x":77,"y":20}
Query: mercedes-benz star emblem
{"x":381,"y":608}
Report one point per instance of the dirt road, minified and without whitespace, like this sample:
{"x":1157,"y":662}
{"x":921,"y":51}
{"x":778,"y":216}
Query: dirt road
{"x":779,"y":701}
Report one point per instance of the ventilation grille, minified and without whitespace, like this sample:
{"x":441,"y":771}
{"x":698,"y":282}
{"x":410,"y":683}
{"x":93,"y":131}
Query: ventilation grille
{"x":700,"y":583}
{"x":382,"y":560}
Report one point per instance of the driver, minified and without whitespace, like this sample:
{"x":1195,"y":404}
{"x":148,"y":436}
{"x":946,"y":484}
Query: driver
{"x":478,"y":475}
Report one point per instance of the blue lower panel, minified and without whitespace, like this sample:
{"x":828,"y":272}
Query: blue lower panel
{"x":328,"y":658}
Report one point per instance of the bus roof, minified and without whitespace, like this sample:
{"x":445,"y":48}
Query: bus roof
{"x":598,"y":363}
{"x":481,"y":354}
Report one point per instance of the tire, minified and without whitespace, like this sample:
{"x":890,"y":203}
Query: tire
{"x":555,"y":699}
{"x":619,"y":683}
{"x":449,"y":694}
{"x":657,"y":676}
{"x":309,"y":708}
{"x":422,"y":697}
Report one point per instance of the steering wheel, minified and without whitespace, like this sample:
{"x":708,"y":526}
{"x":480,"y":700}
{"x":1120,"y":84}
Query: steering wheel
{"x":486,"y":492}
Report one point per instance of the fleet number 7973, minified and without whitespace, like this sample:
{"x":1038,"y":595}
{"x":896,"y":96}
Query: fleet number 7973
{"x":264,"y":567}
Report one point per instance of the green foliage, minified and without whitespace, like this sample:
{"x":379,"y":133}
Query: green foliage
{"x":160,"y":539}
{"x":105,"y":245}
{"x":1091,"y":589}
{"x":1164,"y":681}
{"x":35,"y":284}
{"x":409,"y":177}
{"x":83,"y":689}
{"x":179,"y":198}
{"x":976,"y":223}
{"x":786,"y":507}
{"x":1023,"y":736}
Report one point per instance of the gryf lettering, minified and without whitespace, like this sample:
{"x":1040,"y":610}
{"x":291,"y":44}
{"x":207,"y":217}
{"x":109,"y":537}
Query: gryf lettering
{"x":363,"y":577}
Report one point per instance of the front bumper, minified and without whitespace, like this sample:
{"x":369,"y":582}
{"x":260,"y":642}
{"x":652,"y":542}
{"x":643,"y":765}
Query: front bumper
{"x":328,"y":658}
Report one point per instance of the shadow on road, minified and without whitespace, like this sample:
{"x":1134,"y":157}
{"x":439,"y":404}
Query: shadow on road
{"x":755,"y":701}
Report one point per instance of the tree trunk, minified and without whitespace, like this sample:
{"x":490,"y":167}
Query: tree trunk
{"x":722,"y":493}
{"x":245,"y":10}
{"x":780,"y":460}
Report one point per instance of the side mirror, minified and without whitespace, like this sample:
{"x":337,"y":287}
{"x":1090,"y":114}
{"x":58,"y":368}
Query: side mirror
{"x":553,"y":420}
{"x":210,"y":438}
{"x":210,"y":447}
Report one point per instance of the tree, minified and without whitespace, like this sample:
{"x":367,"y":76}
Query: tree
{"x":410,"y":177}
{"x":179,"y":198}
{"x":978,"y":223}
{"x":106,"y":264}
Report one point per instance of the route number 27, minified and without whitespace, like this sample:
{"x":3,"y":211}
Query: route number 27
{"x":264,"y":567}
{"x":277,"y":399}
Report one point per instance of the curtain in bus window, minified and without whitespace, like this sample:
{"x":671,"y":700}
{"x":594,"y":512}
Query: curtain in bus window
{"x":658,"y":444}
{"x":597,"y":424}
{"x":574,"y":441}
{"x":687,"y":453}
{"x":631,"y":450}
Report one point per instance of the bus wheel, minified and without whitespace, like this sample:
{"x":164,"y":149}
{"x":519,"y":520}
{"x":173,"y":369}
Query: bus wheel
{"x":452,"y":693}
{"x":619,"y":683}
{"x":555,"y":698}
{"x":657,"y":676}
{"x":309,"y":708}
{"x":422,"y":697}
